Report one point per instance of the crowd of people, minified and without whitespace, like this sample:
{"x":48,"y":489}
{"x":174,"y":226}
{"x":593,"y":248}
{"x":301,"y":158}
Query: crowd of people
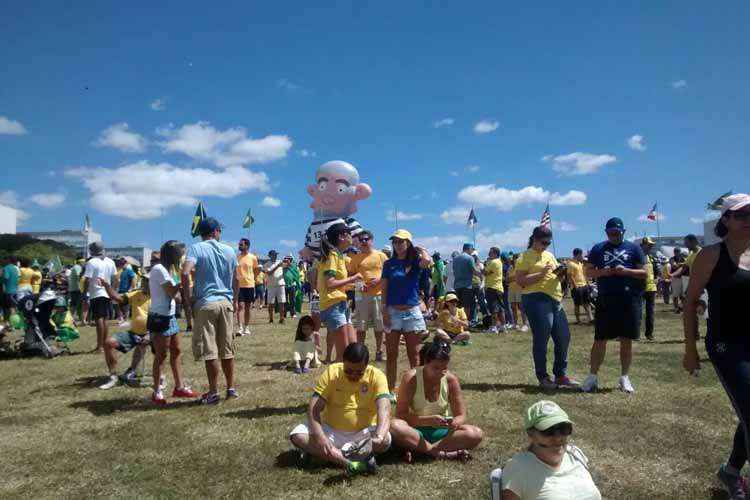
{"x":405,"y":295}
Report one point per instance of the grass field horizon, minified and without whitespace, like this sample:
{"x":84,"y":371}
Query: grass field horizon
{"x":63,"y":437}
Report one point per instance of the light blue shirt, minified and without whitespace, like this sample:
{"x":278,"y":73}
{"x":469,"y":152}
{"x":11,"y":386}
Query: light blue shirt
{"x":463,"y":270}
{"x":215,"y":265}
{"x":10,"y":279}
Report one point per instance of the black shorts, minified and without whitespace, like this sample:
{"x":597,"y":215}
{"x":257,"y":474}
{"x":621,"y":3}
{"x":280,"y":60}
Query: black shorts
{"x":581,"y":295}
{"x":246,"y":295}
{"x":74,"y":300}
{"x":465,"y":298}
{"x":617,"y":316}
{"x":7,"y":302}
{"x":99,"y":308}
{"x":494,"y":300}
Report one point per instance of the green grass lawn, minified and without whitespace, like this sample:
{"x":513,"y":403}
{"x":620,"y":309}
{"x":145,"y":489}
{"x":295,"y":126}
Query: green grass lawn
{"x":62,"y":437}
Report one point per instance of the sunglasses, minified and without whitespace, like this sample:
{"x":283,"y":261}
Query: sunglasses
{"x":562,"y":429}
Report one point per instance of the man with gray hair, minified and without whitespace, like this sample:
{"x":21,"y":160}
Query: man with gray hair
{"x":99,"y":267}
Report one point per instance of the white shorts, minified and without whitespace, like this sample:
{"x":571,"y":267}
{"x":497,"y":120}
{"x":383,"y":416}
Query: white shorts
{"x":676,"y":288}
{"x":276,"y":294}
{"x":340,"y":438}
{"x":368,"y":311}
{"x":685,"y":283}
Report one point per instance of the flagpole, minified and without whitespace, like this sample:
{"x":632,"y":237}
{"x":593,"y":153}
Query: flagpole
{"x":554,"y":249}
{"x":474,"y":228}
{"x":658,"y":230}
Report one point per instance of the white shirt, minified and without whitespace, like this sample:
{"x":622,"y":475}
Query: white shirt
{"x":99,"y":267}
{"x":275,"y":278}
{"x":161,"y":303}
{"x":531,"y":479}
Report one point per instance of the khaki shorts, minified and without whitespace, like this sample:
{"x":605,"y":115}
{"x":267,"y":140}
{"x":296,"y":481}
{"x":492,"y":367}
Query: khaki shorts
{"x":276,"y":294}
{"x":368,"y":311}
{"x":677,"y":290}
{"x":213,"y":331}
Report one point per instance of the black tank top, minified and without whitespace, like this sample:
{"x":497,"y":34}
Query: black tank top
{"x":728,"y":300}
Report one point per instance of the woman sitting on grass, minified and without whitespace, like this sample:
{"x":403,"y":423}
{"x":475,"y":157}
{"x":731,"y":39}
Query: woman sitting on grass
{"x":430,"y":413}
{"x":452,"y":321}
{"x":550,"y":467}
{"x":304,"y":347}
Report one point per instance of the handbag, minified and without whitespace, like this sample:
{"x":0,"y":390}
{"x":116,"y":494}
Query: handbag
{"x":157,"y":323}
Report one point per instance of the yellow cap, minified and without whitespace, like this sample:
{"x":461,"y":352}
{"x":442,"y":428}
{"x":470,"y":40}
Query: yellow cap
{"x":451,"y":297}
{"x":402,"y":234}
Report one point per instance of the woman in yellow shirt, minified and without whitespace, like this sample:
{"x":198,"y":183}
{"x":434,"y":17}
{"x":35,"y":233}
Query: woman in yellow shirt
{"x":333,"y":280}
{"x":24,"y":276}
{"x":453,"y":322}
{"x":538,"y":272}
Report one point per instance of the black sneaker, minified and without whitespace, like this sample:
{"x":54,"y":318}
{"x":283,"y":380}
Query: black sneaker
{"x":732,"y":483}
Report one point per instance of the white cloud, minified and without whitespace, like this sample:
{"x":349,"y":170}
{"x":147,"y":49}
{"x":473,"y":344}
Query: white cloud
{"x":144,"y":190}
{"x":679,"y":84}
{"x":285,"y":84}
{"x":11,"y":127}
{"x":455,"y":215}
{"x":489,"y":195}
{"x":636,"y":143}
{"x":305,"y":153}
{"x":444,"y":122}
{"x":578,"y":163}
{"x":119,"y":136}
{"x":402,"y":216}
{"x":288,"y":243}
{"x":473,"y":168}
{"x":225,"y":148}
{"x":454,"y":173}
{"x":486,"y":126}
{"x":564,"y":226}
{"x":516,"y":237}
{"x":659,"y":216}
{"x":158,"y":105}
{"x":10,"y":199}
{"x":270,"y":201}
{"x":48,"y":200}
{"x":697,"y":220}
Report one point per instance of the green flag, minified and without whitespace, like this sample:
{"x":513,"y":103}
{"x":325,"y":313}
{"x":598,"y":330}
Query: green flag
{"x":200,"y":214}
{"x":248,"y":220}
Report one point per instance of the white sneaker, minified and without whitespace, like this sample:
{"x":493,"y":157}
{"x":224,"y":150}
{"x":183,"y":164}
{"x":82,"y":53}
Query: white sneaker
{"x":524,"y":328}
{"x":625,"y":385}
{"x":590,"y":384}
{"x":110,"y":383}
{"x":247,"y":330}
{"x":493,"y":329}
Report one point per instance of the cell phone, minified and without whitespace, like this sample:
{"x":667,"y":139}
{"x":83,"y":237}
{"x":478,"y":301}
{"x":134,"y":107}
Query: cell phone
{"x":448,"y":420}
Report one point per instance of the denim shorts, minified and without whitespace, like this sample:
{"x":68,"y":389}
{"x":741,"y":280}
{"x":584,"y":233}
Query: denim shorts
{"x":173,"y":329}
{"x":127,"y":341}
{"x":410,"y":320}
{"x":336,"y":316}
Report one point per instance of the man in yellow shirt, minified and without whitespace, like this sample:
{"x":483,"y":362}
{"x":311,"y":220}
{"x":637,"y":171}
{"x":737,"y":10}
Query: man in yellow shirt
{"x":349,"y":414}
{"x":36,"y":278}
{"x":247,"y":268}
{"x":649,"y":292}
{"x":493,"y":289}
{"x":368,"y":309}
{"x":580,"y":289}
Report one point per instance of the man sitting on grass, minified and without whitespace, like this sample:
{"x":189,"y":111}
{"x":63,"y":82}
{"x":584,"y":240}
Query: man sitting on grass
{"x":349,"y":414}
{"x":135,"y":338}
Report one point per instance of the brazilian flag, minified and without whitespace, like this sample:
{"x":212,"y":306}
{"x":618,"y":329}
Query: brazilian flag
{"x":248,"y":220}
{"x":200,"y":214}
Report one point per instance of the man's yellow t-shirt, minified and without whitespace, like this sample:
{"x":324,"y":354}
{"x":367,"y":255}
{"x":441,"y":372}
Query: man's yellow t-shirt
{"x":24,"y":277}
{"x":576,"y":273}
{"x":332,"y":267}
{"x":493,"y":274}
{"x":370,"y":266}
{"x":139,"y":305}
{"x":351,"y":406}
{"x":36,"y":281}
{"x":533,"y":262}
{"x":650,"y":282}
{"x":246,"y":265}
{"x":666,"y":271}
{"x":691,"y":257}
{"x":447,"y":323}
{"x":260,"y":278}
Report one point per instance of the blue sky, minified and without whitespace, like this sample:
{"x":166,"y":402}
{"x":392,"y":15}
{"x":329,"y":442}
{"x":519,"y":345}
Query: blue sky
{"x":131,"y":113}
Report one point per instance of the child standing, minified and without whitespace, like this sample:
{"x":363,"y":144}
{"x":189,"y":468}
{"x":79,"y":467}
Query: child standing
{"x":304,"y":347}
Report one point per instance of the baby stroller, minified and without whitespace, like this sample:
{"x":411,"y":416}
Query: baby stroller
{"x":39,"y":333}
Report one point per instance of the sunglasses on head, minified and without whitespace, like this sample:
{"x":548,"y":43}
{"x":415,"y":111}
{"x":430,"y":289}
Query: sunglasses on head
{"x":561,"y":429}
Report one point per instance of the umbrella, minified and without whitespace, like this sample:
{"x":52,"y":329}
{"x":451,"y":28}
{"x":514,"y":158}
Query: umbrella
{"x":132,"y":261}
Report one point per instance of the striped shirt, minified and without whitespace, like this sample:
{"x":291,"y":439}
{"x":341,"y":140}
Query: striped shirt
{"x":319,"y":227}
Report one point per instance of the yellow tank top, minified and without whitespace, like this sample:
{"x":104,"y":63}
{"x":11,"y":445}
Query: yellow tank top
{"x":419,"y":404}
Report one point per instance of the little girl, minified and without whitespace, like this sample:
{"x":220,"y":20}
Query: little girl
{"x":304,"y":346}
{"x":453,"y":322}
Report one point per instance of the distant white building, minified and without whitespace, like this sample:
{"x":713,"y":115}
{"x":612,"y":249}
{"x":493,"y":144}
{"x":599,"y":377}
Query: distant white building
{"x":8,"y":220}
{"x":709,"y":236}
{"x":141,"y":254}
{"x":76,"y":239}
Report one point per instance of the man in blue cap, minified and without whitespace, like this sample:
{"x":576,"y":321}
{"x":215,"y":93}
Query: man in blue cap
{"x":619,"y":269}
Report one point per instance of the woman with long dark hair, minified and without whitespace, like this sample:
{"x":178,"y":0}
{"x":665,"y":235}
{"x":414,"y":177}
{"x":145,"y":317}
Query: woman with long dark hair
{"x":723,"y":269}
{"x":401,"y":312}
{"x":164,"y":285}
{"x":332,"y":282}
{"x":539,"y":273}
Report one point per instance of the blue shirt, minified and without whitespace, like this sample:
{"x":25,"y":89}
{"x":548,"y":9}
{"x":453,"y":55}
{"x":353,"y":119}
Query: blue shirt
{"x":126,"y":280}
{"x":463,"y":270}
{"x":10,"y":279}
{"x":628,"y":255}
{"x":403,"y":287}
{"x":215,"y":265}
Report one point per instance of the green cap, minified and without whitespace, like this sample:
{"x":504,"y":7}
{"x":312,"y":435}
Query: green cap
{"x":544,"y":414}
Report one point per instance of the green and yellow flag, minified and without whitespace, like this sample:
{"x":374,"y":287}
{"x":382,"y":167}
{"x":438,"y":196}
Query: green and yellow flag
{"x":200,"y":214}
{"x":248,"y":220}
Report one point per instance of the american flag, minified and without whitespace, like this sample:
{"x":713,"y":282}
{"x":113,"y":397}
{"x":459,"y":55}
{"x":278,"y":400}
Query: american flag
{"x":652,"y":214}
{"x":471,"y":222}
{"x":546,"y":220}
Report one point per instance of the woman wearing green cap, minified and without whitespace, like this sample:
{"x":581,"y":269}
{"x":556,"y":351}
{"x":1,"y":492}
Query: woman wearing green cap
{"x":550,"y":468}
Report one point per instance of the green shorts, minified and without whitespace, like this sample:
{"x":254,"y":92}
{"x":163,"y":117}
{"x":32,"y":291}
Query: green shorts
{"x":432,"y":434}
